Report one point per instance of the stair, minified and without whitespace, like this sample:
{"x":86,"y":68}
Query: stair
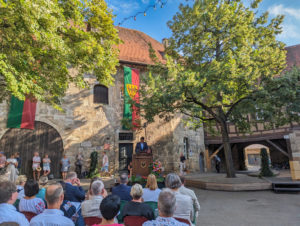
{"x":286,"y":186}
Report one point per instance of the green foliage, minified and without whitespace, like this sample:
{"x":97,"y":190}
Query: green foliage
{"x":41,"y":40}
{"x":223,"y":63}
{"x":265,"y":170}
{"x":94,"y":163}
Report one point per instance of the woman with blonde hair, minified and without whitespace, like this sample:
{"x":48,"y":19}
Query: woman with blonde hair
{"x":151,"y":191}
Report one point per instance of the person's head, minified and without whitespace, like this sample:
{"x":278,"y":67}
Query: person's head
{"x":181,"y":154}
{"x":124,"y":178}
{"x":104,"y":153}
{"x":65,"y":156}
{"x":97,"y":187}
{"x":166,"y":203}
{"x":182,"y":179}
{"x":142,"y":139}
{"x":92,"y":181}
{"x":8,"y":192}
{"x":110,"y":207}
{"x":43,"y":181}
{"x":1,"y":154}
{"x":54,"y":195}
{"x":151,"y":182}
{"x":17,"y":154}
{"x":12,"y":156}
{"x":36,"y":153}
{"x":136,"y":192}
{"x":71,"y":176}
{"x":31,"y":188}
{"x":21,"y":180}
{"x":173,"y":181}
{"x":46,"y":156}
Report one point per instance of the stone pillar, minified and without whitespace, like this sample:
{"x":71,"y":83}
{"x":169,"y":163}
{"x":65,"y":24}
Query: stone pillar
{"x":295,"y":149}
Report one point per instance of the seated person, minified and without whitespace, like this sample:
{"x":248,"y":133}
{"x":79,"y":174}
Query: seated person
{"x":42,"y":184}
{"x":136,"y":207}
{"x":89,"y":193}
{"x":52,"y":215}
{"x":184,"y":203}
{"x":166,"y":209}
{"x":90,"y":208}
{"x":109,"y":208}
{"x":73,"y":191}
{"x":122,"y":190}
{"x":30,"y":203}
{"x":8,"y":196}
{"x":151,"y":191}
{"x":20,"y":186}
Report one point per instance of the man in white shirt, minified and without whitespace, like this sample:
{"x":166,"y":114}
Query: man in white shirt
{"x":52,"y":216}
{"x":8,"y":196}
{"x":186,"y":191}
{"x":90,"y":208}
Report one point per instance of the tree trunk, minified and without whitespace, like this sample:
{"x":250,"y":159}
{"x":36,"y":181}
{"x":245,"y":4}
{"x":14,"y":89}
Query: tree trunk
{"x":227,"y":150}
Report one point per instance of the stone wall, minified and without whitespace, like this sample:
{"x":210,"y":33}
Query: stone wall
{"x":85,"y":126}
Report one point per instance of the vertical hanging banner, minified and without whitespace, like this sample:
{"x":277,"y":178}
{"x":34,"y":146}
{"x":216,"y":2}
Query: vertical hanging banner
{"x":21,"y":113}
{"x":131,"y":92}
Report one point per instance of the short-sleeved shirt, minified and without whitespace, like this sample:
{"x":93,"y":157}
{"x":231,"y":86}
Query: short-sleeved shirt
{"x":36,"y":161}
{"x":35,"y":205}
{"x":9,"y":213}
{"x":51,"y":217}
{"x":46,"y":163}
{"x":164,"y":221}
{"x":2,"y":161}
{"x":151,"y":195}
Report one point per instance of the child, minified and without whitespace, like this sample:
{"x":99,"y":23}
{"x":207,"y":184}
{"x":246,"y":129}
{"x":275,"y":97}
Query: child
{"x":12,"y":165}
{"x":46,"y":165}
{"x":36,"y":168}
{"x":65,"y":165}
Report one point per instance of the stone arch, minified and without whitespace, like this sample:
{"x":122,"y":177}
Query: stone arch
{"x":43,"y":139}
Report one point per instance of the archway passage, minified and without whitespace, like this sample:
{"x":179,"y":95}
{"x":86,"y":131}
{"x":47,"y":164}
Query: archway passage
{"x":43,"y":139}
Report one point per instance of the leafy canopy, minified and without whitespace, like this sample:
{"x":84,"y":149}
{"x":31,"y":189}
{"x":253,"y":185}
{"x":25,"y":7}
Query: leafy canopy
{"x":42,"y":39}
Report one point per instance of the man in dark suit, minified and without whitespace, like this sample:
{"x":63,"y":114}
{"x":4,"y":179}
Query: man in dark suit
{"x":73,"y":191}
{"x":123,"y":190}
{"x":141,"y":147}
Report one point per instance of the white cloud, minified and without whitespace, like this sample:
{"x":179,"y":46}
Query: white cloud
{"x":123,"y":6}
{"x":280,"y":9}
{"x":289,"y":31}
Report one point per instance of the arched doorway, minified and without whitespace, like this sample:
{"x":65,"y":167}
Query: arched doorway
{"x":252,"y":156}
{"x":43,"y":139}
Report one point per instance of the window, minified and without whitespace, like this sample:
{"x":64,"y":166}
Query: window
{"x":186,"y":147}
{"x":100,"y":94}
{"x":125,"y":136}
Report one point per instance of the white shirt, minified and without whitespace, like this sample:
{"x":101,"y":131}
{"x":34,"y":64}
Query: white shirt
{"x":35,"y":205}
{"x":9,"y":213}
{"x":90,"y":208}
{"x":151,"y":195}
{"x":186,"y":191}
{"x":105,"y":160}
{"x":51,"y":217}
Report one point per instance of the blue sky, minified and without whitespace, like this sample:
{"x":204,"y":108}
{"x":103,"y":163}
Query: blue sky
{"x":154,"y":23}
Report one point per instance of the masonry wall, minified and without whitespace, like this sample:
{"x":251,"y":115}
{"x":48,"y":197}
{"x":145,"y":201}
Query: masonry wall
{"x":85,"y":127}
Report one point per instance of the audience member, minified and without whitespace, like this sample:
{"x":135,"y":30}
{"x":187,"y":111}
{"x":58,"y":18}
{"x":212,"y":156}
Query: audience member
{"x":166,"y":209}
{"x":30,"y":203}
{"x":43,"y":181}
{"x":52,"y":216}
{"x":186,"y":191}
{"x":136,"y":207}
{"x":46,"y":165}
{"x":184,"y":203}
{"x":8,"y":196}
{"x":20,"y":185}
{"x":12,"y":164}
{"x":89,"y":193}
{"x":74,"y":192}
{"x":36,"y":166}
{"x":65,"y":165}
{"x":122,"y":190}
{"x":151,"y":191}
{"x":90,"y":208}
{"x":109,"y":208}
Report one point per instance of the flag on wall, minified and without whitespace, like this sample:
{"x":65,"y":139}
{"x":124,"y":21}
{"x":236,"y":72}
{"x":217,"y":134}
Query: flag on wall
{"x":131,"y":92}
{"x":21,"y":113}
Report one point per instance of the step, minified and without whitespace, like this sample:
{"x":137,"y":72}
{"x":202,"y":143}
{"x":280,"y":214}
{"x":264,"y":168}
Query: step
{"x":286,"y":189}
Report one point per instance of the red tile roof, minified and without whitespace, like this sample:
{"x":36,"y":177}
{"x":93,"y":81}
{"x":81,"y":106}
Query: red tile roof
{"x":293,"y":55}
{"x":135,"y":48}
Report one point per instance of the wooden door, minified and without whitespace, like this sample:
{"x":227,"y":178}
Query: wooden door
{"x":43,"y":139}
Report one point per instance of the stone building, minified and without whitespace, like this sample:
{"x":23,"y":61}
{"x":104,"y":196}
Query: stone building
{"x":91,"y":121}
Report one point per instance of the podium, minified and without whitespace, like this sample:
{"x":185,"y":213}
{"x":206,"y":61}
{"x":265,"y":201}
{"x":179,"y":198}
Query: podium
{"x":140,"y":164}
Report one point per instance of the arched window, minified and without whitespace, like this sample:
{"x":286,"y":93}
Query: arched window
{"x":100,"y":94}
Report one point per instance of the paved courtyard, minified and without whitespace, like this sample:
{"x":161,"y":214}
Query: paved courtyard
{"x":258,"y":208}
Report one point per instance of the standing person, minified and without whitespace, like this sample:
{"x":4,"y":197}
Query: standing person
{"x":182,"y":163}
{"x":36,"y":165}
{"x":65,"y":165}
{"x":218,"y":163}
{"x":130,"y":168}
{"x":105,"y":162}
{"x":46,"y":165}
{"x":18,"y":158}
{"x":12,"y":164}
{"x":141,"y":147}
{"x":2,"y":161}
{"x":52,"y":215}
{"x":78,"y":164}
{"x":8,"y":196}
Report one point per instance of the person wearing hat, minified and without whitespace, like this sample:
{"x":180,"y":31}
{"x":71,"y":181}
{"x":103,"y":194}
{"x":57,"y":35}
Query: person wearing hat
{"x":42,"y":184}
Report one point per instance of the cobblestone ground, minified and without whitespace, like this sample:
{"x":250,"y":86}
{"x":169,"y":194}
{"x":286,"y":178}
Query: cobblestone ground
{"x":259,"y":208}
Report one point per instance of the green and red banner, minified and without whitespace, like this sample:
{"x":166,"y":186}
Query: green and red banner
{"x":131,"y":92}
{"x":21,"y":113}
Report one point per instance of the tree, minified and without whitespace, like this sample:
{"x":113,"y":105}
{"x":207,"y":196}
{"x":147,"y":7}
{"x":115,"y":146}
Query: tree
{"x":223,"y":63}
{"x":41,"y":40}
{"x":264,"y":169}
